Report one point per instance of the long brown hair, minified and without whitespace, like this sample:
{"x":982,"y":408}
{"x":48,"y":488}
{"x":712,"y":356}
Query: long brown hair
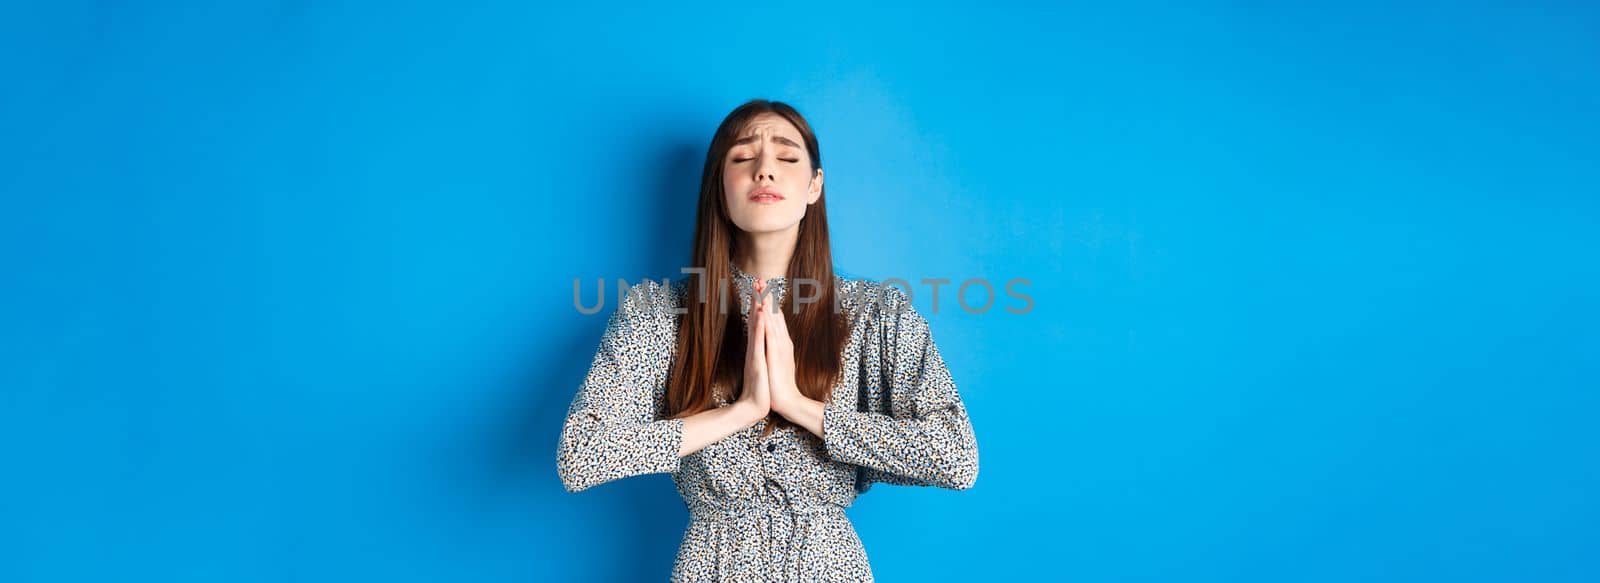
{"x":711,"y":344}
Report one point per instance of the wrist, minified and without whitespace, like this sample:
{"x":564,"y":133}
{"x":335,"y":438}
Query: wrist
{"x":747,"y":413}
{"x":785,"y":400}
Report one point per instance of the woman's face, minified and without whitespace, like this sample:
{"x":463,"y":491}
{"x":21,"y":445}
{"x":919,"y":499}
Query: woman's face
{"x":767,"y":176}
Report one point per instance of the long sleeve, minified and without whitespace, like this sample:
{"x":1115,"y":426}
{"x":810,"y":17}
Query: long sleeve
{"x":611,"y":430}
{"x":915,"y":428}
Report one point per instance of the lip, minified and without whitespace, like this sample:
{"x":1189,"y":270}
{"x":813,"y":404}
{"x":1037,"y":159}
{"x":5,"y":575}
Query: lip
{"x":765,"y":194}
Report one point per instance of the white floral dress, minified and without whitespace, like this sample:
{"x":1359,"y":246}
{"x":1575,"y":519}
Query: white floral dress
{"x":772,"y":509}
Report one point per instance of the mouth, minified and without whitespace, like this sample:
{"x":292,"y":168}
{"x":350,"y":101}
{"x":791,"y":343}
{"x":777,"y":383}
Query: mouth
{"x":765,"y":195}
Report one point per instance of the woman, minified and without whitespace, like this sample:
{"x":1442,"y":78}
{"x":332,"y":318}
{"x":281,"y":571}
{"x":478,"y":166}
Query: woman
{"x":770,"y":423}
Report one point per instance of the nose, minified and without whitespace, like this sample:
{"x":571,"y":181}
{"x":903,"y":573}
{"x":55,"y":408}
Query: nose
{"x":766,"y":169}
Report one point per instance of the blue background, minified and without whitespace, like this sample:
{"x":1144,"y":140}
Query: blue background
{"x":288,"y":286}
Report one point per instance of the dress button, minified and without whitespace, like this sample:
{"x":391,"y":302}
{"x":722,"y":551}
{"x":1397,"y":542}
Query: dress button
{"x":772,"y":446}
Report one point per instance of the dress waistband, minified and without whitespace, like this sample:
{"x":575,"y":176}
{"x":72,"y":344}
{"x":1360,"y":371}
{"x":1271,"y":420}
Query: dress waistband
{"x":708,"y":512}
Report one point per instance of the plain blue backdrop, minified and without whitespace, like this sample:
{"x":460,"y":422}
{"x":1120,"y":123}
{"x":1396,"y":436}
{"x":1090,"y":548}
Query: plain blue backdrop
{"x":287,"y":286}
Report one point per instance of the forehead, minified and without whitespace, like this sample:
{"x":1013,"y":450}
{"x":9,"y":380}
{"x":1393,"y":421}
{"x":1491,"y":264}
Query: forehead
{"x":769,"y":127}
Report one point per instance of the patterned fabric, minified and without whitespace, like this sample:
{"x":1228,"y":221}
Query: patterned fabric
{"x":772,"y":508}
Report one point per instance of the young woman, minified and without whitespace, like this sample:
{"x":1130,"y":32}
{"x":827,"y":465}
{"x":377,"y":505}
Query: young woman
{"x":773,"y":421}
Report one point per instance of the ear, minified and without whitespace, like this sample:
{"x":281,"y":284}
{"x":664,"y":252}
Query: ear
{"x":814,"y":191}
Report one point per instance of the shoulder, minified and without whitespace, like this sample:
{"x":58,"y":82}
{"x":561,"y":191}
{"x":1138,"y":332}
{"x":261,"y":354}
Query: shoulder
{"x":654,"y":292}
{"x":649,"y":308}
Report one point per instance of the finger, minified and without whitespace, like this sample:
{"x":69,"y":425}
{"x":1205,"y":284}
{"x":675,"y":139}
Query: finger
{"x":772,"y":335}
{"x":753,"y":328}
{"x":777,"y":325}
{"x":758,"y":324}
{"x":758,"y":341}
{"x":751,"y":323}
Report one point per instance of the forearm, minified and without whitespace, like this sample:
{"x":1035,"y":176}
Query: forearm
{"x":708,"y":427}
{"x":936,"y":449}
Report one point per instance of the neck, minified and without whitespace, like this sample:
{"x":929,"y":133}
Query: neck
{"x":766,"y":255}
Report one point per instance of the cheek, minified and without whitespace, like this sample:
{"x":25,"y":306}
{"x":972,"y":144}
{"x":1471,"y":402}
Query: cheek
{"x":731,"y":185}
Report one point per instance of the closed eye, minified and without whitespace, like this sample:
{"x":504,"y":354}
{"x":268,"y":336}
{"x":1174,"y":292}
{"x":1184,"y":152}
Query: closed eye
{"x":742,"y":160}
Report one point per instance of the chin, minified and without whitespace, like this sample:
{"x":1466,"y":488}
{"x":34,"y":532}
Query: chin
{"x":766,"y":222}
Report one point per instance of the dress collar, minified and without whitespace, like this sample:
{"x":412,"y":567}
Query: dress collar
{"x":745,"y":283}
{"x":740,"y":274}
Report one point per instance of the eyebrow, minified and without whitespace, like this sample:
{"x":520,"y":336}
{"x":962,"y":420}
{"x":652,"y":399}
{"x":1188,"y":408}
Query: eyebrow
{"x":778,"y":139}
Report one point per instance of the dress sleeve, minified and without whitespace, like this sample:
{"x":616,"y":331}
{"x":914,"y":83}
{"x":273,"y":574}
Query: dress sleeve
{"x":611,"y":430}
{"x":915,"y":429}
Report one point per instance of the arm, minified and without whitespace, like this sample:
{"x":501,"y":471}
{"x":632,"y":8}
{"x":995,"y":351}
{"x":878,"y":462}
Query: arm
{"x":923,"y":436}
{"x":611,"y":431}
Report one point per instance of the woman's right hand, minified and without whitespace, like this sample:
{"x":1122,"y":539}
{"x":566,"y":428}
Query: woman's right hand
{"x":756,"y":396}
